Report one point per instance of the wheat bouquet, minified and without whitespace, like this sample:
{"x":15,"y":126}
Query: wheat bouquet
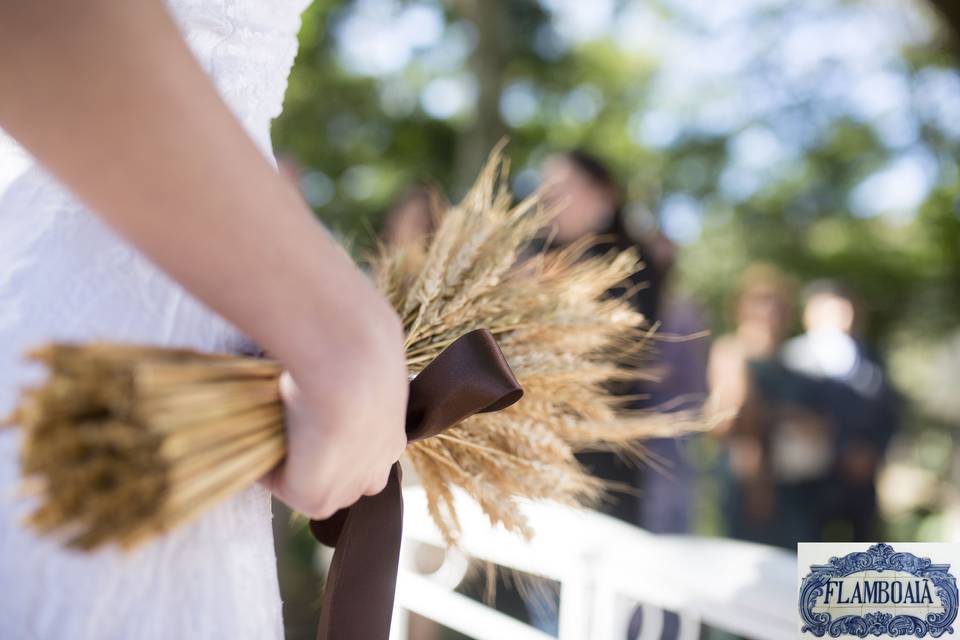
{"x":123,"y":442}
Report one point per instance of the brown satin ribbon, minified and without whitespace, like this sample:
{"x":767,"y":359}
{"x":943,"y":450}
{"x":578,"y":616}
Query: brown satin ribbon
{"x":470,"y":376}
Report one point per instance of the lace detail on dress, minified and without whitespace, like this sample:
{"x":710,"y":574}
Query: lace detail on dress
{"x":247,"y":47}
{"x":64,"y":275}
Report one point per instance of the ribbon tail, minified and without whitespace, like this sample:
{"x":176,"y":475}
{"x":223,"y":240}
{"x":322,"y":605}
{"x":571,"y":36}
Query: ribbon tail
{"x":358,"y":596}
{"x":468,"y":377}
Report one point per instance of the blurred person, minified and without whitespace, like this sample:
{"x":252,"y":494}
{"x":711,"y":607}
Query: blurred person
{"x":778,"y":449}
{"x":854,"y":395}
{"x":151,"y":211}
{"x":763,"y":308}
{"x":669,"y":485}
{"x":678,"y":351}
{"x":410,"y":219}
{"x":589,"y":201}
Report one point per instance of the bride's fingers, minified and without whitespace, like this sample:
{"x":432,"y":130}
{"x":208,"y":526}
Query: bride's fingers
{"x":378,"y":484}
{"x":399,"y":446}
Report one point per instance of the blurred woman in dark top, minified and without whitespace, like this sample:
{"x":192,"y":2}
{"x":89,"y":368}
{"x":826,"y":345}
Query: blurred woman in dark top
{"x":589,"y":201}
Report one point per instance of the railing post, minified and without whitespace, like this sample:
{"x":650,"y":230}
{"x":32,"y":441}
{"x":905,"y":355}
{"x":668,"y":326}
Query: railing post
{"x":400,"y":626}
{"x":576,"y":599}
{"x":603,"y":621}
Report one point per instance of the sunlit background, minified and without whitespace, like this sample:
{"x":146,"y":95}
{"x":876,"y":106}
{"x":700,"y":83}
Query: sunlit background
{"x":821,"y":137}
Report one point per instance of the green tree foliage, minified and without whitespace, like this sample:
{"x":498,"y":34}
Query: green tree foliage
{"x":822,"y":136}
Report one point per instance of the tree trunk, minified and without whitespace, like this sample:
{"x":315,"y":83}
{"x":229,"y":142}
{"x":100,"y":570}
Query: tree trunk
{"x":488,"y":63}
{"x":949,"y":10}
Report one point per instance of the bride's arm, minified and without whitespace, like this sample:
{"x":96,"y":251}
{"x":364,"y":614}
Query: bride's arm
{"x":107,"y":96}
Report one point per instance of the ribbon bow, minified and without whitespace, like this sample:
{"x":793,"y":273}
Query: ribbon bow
{"x":468,"y":377}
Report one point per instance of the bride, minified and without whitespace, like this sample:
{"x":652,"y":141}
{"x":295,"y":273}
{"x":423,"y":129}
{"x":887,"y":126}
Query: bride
{"x":153,"y":213}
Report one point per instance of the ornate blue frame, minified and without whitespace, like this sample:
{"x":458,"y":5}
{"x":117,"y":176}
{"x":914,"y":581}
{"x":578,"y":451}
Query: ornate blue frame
{"x":879,"y":557}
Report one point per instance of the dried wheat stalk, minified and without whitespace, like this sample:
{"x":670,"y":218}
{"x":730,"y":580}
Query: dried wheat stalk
{"x":123,"y":442}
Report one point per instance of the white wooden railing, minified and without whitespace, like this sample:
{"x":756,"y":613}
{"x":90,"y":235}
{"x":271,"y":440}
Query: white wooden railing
{"x":605,"y":569}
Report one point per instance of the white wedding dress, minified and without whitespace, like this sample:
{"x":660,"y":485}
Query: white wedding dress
{"x":65,"y":276}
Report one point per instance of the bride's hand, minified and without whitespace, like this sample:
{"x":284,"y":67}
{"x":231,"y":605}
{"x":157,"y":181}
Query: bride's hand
{"x":344,"y":423}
